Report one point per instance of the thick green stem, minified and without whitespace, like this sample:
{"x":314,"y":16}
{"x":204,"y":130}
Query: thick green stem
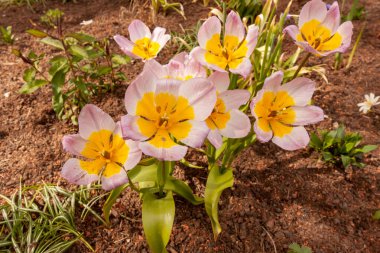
{"x":162,"y":173}
{"x":301,"y":65}
{"x":224,"y":20}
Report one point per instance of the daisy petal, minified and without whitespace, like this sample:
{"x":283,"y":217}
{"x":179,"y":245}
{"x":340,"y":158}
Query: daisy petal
{"x":93,"y":119}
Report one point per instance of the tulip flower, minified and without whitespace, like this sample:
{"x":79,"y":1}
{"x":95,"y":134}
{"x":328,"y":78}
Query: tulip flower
{"x":233,"y":53}
{"x":103,"y":152}
{"x":281,"y":111}
{"x":318,"y":30}
{"x":143,"y":44}
{"x":180,"y":67}
{"x":163,"y":114}
{"x":226,"y":119}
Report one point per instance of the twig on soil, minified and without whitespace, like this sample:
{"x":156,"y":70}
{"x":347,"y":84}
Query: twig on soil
{"x":270,"y":237}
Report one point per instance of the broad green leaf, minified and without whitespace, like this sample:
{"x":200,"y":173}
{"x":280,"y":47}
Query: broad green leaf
{"x":78,"y":51}
{"x":346,"y":160}
{"x":368,"y":148}
{"x":182,"y":189}
{"x":120,"y":60}
{"x":37,"y":33}
{"x":57,"y":83}
{"x":115,"y":193}
{"x":29,"y":75}
{"x":103,"y":70}
{"x":140,"y":174}
{"x":327,"y":156}
{"x":157,"y":217}
{"x":376,"y":215}
{"x":216,"y":183}
{"x":315,"y":142}
{"x":52,"y":42}
{"x":82,"y":37}
{"x":58,"y":63}
{"x":32,"y":86}
{"x":295,"y":248}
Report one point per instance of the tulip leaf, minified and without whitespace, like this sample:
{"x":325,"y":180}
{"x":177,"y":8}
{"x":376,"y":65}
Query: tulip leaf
{"x":182,"y":189}
{"x":115,"y":193}
{"x":140,"y":174}
{"x":37,"y":33}
{"x":217,"y":181}
{"x":157,"y":217}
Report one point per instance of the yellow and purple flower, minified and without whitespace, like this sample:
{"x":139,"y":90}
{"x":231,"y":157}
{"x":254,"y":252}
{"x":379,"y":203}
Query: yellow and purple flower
{"x":281,"y":111}
{"x":226,"y":119}
{"x":164,"y":114}
{"x":319,"y":31}
{"x":233,"y":54}
{"x":101,"y":149}
{"x":143,"y":44}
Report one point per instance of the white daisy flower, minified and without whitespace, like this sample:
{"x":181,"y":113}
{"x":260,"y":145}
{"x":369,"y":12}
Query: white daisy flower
{"x":370,"y":100}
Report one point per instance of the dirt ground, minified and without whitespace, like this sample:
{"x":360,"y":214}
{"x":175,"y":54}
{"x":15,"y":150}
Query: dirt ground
{"x":278,"y":198}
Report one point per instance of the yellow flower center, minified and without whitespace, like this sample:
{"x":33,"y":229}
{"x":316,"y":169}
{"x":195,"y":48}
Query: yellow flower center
{"x":106,"y":153}
{"x":274,"y":113}
{"x":319,"y":36}
{"x":164,"y":115}
{"x":219,"y":117}
{"x":145,"y":48}
{"x":230,"y":54}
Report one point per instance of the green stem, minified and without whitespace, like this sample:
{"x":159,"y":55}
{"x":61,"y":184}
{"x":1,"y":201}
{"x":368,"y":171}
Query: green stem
{"x":301,"y":65}
{"x":224,"y":20}
{"x":161,"y":176}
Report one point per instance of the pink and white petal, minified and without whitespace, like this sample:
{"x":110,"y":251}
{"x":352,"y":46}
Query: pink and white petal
{"x":138,"y":30}
{"x":160,"y":37}
{"x":345,"y":30}
{"x":298,"y":138}
{"x":300,"y":89}
{"x":306,"y":46}
{"x":194,"y":69}
{"x":262,"y":136}
{"x":73,"y":144}
{"x":273,"y":82}
{"x":307,"y":115}
{"x":233,"y":99}
{"x":221,"y":80}
{"x":130,"y":129}
{"x":314,"y":9}
{"x":174,"y":69}
{"x":155,"y":68}
{"x":252,"y":35}
{"x":243,"y":69}
{"x":198,"y":53}
{"x":174,"y":153}
{"x":197,"y":134}
{"x":255,"y":100}
{"x":215,"y":138}
{"x":234,"y":26}
{"x":292,"y":31}
{"x":144,"y":83}
{"x":93,"y":119}
{"x":134,"y":154}
{"x":73,"y":173}
{"x":109,"y":183}
{"x":332,"y":19}
{"x":201,"y":94}
{"x":238,"y":125}
{"x":126,"y":46}
{"x":170,"y":86}
{"x":181,"y":57}
{"x":208,"y":29}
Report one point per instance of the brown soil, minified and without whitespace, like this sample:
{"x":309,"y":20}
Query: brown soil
{"x":278,"y":198}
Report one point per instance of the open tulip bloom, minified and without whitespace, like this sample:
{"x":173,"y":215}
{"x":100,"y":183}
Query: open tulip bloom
{"x":102,"y":151}
{"x":318,"y":30}
{"x":233,"y":53}
{"x":161,"y":111}
{"x":180,"y":67}
{"x":281,"y":111}
{"x":143,"y":44}
{"x":226,"y":119}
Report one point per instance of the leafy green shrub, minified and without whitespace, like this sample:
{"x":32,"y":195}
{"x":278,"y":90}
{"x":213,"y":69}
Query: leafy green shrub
{"x":6,"y":35}
{"x":41,"y":219}
{"x":296,"y":248}
{"x":82,"y":67}
{"x":340,"y":148}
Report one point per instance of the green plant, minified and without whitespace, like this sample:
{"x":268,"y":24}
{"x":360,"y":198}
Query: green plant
{"x":341,"y":148}
{"x":376,"y":215}
{"x":356,"y":11}
{"x":248,"y":9}
{"x":296,"y":248}
{"x":156,"y":4}
{"x":6,"y":35}
{"x":41,"y":218}
{"x":82,"y":67}
{"x":187,"y":40}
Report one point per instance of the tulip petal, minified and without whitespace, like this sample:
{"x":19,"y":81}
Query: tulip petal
{"x":208,"y":29}
{"x":262,"y":130}
{"x":243,"y":69}
{"x":345,"y":30}
{"x":201,"y":94}
{"x":93,"y":119}
{"x":73,"y":173}
{"x":300,"y":89}
{"x":307,"y":115}
{"x":160,"y":37}
{"x":298,"y":138}
{"x":196,"y":136}
{"x":314,"y":9}
{"x":194,"y":69}
{"x":234,"y":26}
{"x":138,"y":30}
{"x":181,"y":57}
{"x":155,"y":69}
{"x":252,"y":35}
{"x":73,"y":144}
{"x":215,"y":138}
{"x":130,"y":128}
{"x":293,"y":31}
{"x":169,"y":86}
{"x":126,"y":46}
{"x":273,"y":82}
{"x":221,"y":80}
{"x":238,"y":125}
{"x":233,"y":99}
{"x":332,"y":19}
{"x":109,"y":183}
